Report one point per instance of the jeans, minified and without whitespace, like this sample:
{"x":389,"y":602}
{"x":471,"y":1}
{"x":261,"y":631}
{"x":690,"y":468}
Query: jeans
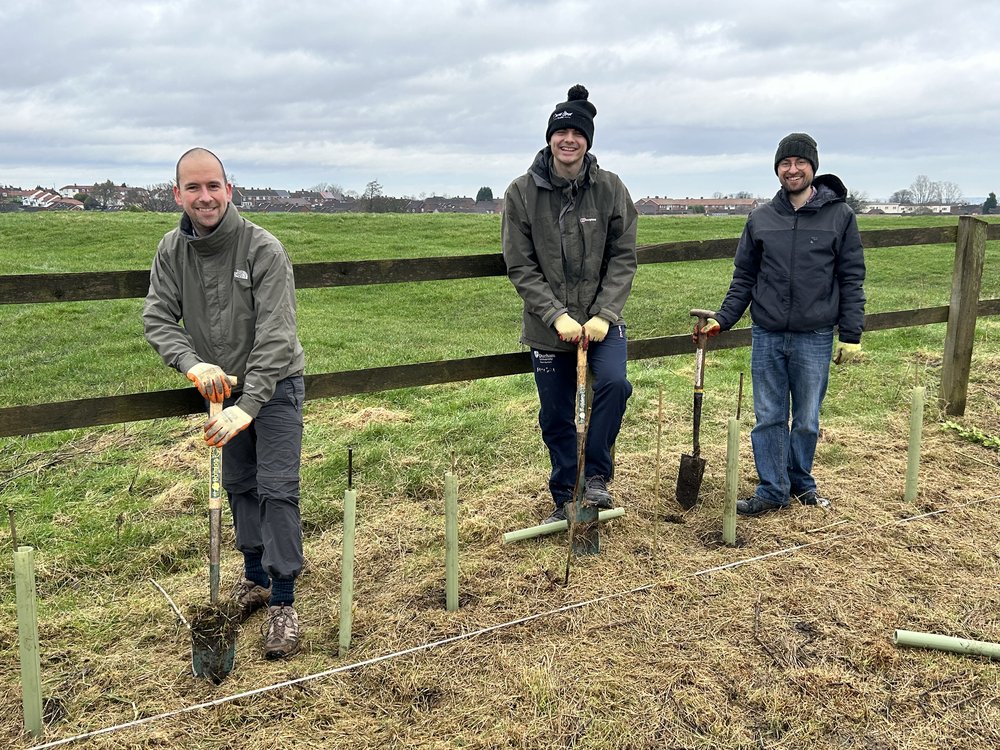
{"x":555,"y":377}
{"x":260,"y":472}
{"x":787,"y":366}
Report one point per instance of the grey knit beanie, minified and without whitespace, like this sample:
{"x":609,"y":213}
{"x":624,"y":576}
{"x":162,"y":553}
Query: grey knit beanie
{"x":797,"y":144}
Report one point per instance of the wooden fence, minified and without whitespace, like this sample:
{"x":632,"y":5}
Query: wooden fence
{"x":969,"y":237}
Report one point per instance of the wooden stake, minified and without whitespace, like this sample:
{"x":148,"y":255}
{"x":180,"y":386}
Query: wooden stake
{"x":27,"y":636}
{"x":13,"y":529}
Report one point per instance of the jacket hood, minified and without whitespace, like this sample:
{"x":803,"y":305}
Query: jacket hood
{"x":542,"y":174}
{"x":829,"y":189}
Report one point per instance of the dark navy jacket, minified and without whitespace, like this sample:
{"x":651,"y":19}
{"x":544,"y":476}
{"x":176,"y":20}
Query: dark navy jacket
{"x":800,"y":270}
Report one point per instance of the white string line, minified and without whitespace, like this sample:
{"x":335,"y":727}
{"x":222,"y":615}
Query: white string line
{"x":471,"y":634}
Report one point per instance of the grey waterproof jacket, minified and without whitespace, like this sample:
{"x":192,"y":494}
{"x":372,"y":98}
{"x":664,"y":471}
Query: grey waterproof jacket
{"x":800,"y":270}
{"x":235,"y":293}
{"x":569,"y":247}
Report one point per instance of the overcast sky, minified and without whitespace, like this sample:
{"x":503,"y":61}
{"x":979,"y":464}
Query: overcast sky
{"x":444,"y":97}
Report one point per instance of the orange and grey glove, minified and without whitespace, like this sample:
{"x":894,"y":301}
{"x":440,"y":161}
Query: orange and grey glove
{"x":844,"y":352}
{"x":211,"y":381}
{"x":232,"y":421}
{"x":567,"y":328}
{"x":596,"y":328}
{"x":711,"y":328}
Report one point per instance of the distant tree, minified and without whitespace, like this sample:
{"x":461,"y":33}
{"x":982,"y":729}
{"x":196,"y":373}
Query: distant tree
{"x":925,"y":190}
{"x":156,"y":197}
{"x":82,"y":197}
{"x":90,"y":203}
{"x":697,"y":209}
{"x":718,"y":196}
{"x":857,"y":200}
{"x":484,"y":194}
{"x":950,"y":193}
{"x":104,"y":193}
{"x":903,"y":196}
{"x":990,"y":205}
{"x":373,"y":191}
{"x":744,"y":194}
{"x":328,"y":187}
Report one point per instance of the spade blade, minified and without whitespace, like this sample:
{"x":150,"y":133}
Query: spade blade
{"x":689,"y":480}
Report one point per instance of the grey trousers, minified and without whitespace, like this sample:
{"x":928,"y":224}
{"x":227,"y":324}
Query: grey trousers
{"x":260,"y":472}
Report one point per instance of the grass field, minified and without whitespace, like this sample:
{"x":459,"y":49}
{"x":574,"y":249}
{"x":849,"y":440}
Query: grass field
{"x":790,"y":652}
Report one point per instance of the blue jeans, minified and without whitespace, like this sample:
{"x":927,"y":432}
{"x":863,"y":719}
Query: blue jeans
{"x":555,"y":376}
{"x":260,"y":472}
{"x":787,"y":366}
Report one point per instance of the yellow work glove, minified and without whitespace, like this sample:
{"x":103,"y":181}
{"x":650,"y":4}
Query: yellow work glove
{"x":711,"y":328}
{"x":596,"y":328}
{"x":232,"y":421}
{"x":844,"y":352}
{"x":211,"y":381}
{"x":567,"y":328}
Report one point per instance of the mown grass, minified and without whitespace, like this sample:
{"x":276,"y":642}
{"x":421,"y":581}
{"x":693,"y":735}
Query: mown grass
{"x":108,"y":508}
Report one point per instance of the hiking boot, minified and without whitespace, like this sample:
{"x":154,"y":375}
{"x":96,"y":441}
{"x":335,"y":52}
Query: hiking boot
{"x":812,"y":498}
{"x":250,"y":597}
{"x":282,"y":637}
{"x":597,"y":493}
{"x":754,"y":506}
{"x":559,"y":514}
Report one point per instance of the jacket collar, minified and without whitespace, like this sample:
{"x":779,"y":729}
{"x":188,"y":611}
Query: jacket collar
{"x":220,"y":236}
{"x":542,"y":173}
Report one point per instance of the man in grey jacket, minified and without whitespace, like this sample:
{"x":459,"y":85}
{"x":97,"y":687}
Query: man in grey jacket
{"x":221,"y":303}
{"x":800,"y":268}
{"x":569,"y":245}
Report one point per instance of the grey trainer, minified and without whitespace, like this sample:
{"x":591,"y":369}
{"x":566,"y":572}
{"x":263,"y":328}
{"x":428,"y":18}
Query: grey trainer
{"x":282,"y":637}
{"x":597,"y":493}
{"x":250,"y":597}
{"x":559,"y":514}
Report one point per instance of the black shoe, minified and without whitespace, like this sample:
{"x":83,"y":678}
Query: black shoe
{"x":559,"y":514}
{"x":812,"y":498}
{"x":754,"y":506}
{"x":597,"y":493}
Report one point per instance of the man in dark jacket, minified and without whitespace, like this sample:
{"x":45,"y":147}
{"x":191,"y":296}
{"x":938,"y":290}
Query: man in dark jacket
{"x":569,"y":245}
{"x":801,"y":269}
{"x":231,"y":283}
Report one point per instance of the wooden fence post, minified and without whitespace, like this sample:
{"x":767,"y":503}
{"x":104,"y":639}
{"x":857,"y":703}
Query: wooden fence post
{"x":966,"y":278}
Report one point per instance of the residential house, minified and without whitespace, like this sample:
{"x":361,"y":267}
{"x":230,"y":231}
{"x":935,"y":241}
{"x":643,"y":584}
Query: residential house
{"x":658,"y":206}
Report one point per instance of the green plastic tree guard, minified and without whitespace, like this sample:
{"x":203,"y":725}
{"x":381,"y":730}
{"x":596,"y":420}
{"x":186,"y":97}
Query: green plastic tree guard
{"x":451,"y":540}
{"x":27,"y":637}
{"x":347,"y":571}
{"x":946,"y":643}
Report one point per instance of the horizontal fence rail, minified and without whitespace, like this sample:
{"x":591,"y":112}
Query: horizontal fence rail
{"x":35,"y":418}
{"x":104,"y":285}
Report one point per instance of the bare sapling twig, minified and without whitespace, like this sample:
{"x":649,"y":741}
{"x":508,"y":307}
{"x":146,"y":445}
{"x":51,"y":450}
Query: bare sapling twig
{"x":180,"y":617}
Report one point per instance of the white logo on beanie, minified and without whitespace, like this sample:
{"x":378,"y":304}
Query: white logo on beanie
{"x":562,"y":115}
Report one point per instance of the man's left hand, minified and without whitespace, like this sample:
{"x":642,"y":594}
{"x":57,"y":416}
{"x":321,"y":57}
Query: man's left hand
{"x":844,"y":352}
{"x":232,"y":421}
{"x":596,"y":328}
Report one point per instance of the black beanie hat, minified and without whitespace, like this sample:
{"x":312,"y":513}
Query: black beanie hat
{"x":576,"y":112}
{"x":797,"y":144}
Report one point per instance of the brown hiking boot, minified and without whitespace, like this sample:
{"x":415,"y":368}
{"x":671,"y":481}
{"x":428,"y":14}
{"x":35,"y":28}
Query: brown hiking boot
{"x":282,"y":637}
{"x":250,"y":597}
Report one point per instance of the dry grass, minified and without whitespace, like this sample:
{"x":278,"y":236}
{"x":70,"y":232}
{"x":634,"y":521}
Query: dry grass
{"x":791,"y":651}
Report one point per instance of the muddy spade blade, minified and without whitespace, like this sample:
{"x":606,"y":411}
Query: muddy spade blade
{"x":213,"y":641}
{"x":689,"y":480}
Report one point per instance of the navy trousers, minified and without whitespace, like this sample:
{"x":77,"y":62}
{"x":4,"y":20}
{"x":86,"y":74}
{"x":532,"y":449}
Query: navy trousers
{"x":555,"y":377}
{"x":260,"y":472}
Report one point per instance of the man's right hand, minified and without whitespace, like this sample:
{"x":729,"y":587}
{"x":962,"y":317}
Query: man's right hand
{"x":711,"y":328}
{"x":211,"y":381}
{"x":568,"y":329}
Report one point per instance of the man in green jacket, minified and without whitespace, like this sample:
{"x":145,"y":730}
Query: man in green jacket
{"x":231,"y":284}
{"x":569,"y":245}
